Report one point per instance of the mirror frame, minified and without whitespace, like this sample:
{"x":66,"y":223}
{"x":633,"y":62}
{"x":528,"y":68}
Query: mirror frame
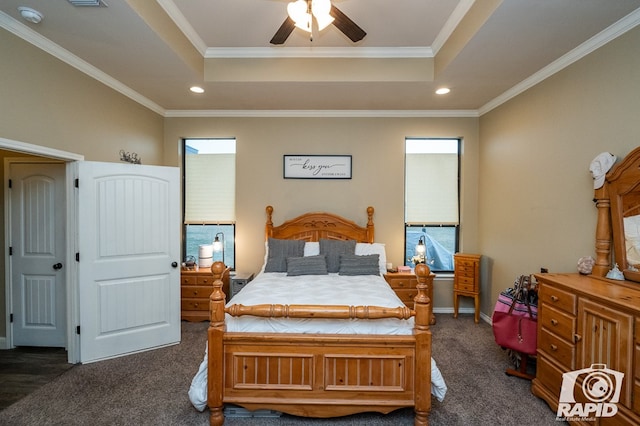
{"x":623,"y":185}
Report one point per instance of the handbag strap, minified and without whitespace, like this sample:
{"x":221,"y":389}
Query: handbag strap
{"x":520,"y":295}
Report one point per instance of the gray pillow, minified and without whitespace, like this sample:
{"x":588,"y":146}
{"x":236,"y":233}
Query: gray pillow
{"x":307,"y":265}
{"x":279,"y":250}
{"x":333,"y":249}
{"x":350,"y":264}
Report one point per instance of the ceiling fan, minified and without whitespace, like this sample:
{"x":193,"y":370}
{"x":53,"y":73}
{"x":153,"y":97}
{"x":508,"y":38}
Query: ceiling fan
{"x":302,"y":12}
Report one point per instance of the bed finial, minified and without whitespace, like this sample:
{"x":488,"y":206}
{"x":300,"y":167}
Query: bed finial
{"x":370,"y":226}
{"x":268,"y":229}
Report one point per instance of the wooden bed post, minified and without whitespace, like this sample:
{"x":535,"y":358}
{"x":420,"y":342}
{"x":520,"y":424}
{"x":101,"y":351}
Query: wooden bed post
{"x":370,"y":226}
{"x":422,"y":333}
{"x":215,"y":367}
{"x":268,"y":228}
{"x":603,"y":232}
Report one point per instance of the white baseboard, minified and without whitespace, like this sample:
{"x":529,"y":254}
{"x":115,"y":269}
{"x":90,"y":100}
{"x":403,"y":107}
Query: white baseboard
{"x":4,"y":343}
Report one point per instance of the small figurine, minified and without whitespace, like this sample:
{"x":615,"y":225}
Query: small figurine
{"x":615,"y":274}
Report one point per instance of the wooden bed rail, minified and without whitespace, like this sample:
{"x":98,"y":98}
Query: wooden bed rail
{"x":320,"y":311}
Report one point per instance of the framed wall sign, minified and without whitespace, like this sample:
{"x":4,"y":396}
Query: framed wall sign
{"x":317,"y":167}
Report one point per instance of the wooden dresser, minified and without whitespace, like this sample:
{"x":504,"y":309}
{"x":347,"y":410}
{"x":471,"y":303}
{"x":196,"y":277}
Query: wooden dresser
{"x":583,"y":321}
{"x":195,"y":289}
{"x":404,"y":284}
{"x":466,"y":281}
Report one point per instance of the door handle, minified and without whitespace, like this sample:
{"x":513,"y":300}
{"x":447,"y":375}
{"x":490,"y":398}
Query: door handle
{"x":57,"y":266}
{"x":174,"y":264}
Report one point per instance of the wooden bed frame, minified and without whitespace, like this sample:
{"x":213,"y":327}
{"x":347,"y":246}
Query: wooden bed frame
{"x":320,"y":375}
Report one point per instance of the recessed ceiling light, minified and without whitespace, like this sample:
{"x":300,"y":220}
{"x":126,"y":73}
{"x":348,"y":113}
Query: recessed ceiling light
{"x":196,"y":89}
{"x":30,"y":15}
{"x":443,"y":91}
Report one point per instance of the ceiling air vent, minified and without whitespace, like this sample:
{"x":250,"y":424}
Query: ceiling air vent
{"x":88,"y":3}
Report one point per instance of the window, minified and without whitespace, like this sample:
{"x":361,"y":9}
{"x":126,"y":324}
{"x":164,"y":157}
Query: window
{"x":432,"y":200}
{"x":209,"y":198}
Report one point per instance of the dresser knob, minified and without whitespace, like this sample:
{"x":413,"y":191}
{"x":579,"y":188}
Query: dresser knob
{"x":554,"y":348}
{"x":554,"y":298}
{"x":554,"y":322}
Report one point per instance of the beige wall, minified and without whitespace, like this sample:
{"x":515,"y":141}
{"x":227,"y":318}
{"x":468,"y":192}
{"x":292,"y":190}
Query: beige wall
{"x":45,"y":102}
{"x":536,"y":191}
{"x":377,"y":149}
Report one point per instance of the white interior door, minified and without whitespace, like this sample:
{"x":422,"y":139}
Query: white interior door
{"x":38,"y":249}
{"x":129,"y":251}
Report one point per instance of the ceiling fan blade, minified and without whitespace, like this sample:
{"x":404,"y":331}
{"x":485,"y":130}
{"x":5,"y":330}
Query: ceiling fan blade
{"x":284,"y":31}
{"x":346,"y":25}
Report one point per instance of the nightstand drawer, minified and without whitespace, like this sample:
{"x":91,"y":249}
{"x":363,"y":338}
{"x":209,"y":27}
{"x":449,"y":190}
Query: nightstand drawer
{"x":195,"y":304}
{"x":195,"y":292}
{"x":407,"y":296}
{"x":205,"y":279}
{"x":188,"y":280}
{"x":402,"y":283}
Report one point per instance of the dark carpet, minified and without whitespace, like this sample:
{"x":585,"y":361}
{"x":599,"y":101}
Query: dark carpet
{"x":150,"y":388}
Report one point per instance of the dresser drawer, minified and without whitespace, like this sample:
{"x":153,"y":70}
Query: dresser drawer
{"x":463,"y":283}
{"x":549,"y":375}
{"x":195,"y":292}
{"x":557,"y":298}
{"x":194,"y":304}
{"x":558,"y":322}
{"x":559,"y":349}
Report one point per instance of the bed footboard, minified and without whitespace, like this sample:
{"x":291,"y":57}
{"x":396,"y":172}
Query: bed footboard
{"x":320,"y":375}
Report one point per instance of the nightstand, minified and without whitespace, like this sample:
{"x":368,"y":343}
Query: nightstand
{"x":195,"y":289}
{"x":466,"y":281}
{"x":404,"y":285}
{"x":238,"y":281}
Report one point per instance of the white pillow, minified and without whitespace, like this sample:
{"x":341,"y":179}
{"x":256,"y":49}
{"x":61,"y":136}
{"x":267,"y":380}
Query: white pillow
{"x":311,"y":248}
{"x":373,"y":248}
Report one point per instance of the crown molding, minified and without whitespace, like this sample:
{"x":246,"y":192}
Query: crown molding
{"x":605,"y":36}
{"x":179,"y":19}
{"x":322,"y":113}
{"x":55,"y":50}
{"x":318,"y":52}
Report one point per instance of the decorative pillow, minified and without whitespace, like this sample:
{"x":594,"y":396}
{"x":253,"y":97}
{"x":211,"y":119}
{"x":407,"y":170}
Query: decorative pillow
{"x":333,"y":249}
{"x":307,"y":265}
{"x":279,"y":251}
{"x":350,"y":264}
{"x":374,"y":248}
{"x":311,"y":248}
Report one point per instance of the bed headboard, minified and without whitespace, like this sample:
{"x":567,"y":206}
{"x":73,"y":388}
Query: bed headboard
{"x":313,"y":226}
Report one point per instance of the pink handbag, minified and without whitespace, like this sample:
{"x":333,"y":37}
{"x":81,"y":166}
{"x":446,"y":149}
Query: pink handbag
{"x":516,"y":328}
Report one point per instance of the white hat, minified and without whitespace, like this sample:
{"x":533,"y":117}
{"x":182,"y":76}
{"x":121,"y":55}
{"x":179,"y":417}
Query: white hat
{"x":600,"y":166}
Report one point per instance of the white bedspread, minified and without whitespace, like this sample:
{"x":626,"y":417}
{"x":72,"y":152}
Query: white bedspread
{"x":332,"y":289}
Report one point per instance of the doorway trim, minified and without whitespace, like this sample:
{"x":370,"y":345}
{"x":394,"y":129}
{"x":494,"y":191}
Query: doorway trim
{"x":73,"y":346}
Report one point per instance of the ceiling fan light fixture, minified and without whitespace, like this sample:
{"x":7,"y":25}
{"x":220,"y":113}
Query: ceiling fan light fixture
{"x":324,"y":21}
{"x":321,"y":10}
{"x":299,"y":12}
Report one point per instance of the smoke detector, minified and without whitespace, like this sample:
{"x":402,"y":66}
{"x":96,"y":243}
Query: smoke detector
{"x":30,"y":15}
